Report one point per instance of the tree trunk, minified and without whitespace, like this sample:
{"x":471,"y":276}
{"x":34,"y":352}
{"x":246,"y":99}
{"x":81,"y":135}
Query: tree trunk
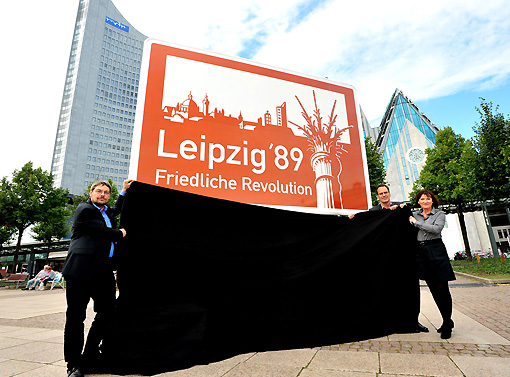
{"x":16,"y":251}
{"x":463,"y":229}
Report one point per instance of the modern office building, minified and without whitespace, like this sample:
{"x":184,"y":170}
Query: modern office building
{"x":402,"y":137}
{"x":95,"y":127}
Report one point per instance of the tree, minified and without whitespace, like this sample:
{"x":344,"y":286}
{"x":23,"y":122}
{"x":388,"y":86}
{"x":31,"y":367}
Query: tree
{"x":443,"y":174}
{"x":6,"y":229}
{"x":55,"y":226}
{"x":28,"y":199}
{"x":376,"y":170}
{"x":492,"y":154}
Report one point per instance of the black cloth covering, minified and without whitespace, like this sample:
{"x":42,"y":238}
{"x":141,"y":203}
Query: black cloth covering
{"x":203,"y":279}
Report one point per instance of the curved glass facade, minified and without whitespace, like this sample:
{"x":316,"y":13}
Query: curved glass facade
{"x":402,"y":129}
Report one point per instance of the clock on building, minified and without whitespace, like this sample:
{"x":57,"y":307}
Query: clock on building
{"x":416,"y":155}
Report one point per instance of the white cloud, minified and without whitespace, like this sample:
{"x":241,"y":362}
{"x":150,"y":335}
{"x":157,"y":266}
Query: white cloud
{"x":428,"y":50}
{"x":220,"y":26}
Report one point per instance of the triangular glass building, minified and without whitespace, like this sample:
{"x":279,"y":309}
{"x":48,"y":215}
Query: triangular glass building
{"x":404,"y":134}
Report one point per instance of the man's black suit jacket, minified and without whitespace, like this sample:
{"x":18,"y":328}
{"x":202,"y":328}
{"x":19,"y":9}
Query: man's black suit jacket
{"x":91,"y":239}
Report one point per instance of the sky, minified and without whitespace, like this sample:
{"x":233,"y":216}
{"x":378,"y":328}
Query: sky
{"x":443,"y":55}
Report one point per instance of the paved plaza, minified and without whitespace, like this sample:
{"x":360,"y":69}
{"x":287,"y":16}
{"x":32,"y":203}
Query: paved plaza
{"x":31,"y":342}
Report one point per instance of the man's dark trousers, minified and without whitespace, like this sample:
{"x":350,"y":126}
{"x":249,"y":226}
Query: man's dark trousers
{"x":78,"y":293}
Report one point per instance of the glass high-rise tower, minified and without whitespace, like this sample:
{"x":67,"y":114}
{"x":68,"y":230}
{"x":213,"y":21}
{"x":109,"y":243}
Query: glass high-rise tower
{"x":96,"y":123}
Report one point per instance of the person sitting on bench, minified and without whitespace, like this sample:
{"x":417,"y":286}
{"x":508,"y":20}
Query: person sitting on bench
{"x":46,"y":272}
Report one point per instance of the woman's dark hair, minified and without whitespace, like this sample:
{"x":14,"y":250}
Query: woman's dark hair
{"x":430,"y":194}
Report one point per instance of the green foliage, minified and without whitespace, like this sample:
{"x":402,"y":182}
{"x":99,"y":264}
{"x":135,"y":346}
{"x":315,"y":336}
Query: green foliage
{"x":7,"y":230}
{"x":491,"y":157}
{"x":443,"y":172}
{"x":469,"y":166}
{"x":6,"y":234}
{"x":459,"y":171}
{"x":28,"y":199}
{"x":24,"y":197}
{"x":55,"y":225}
{"x":376,"y":170}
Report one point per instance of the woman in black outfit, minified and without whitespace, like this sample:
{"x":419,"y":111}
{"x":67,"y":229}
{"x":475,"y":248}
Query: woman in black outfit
{"x":432,"y":258}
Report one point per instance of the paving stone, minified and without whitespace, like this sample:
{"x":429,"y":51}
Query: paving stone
{"x":211,"y":370}
{"x":335,"y":373}
{"x":11,"y":342}
{"x":263,"y":370}
{"x":14,"y":367}
{"x":36,"y":334}
{"x":479,"y":367}
{"x":31,"y":343}
{"x":428,"y":365}
{"x":292,"y":358}
{"x":346,"y":361}
{"x":46,"y":371}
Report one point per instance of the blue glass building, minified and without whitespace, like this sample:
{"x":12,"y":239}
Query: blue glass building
{"x":402,"y":137}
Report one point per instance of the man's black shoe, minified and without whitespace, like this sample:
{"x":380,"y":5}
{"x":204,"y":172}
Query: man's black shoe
{"x":412,"y":329}
{"x":75,"y":372}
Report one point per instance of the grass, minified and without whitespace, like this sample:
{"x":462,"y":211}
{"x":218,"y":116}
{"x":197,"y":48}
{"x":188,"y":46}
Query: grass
{"x":490,"y":268}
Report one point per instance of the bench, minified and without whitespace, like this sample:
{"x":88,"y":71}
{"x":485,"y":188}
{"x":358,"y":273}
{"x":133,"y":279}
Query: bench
{"x":16,"y":278}
{"x":59,"y":281}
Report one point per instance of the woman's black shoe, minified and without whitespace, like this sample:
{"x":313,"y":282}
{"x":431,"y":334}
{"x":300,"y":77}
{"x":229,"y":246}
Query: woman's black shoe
{"x":446,"y":326}
{"x":446,"y":334}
